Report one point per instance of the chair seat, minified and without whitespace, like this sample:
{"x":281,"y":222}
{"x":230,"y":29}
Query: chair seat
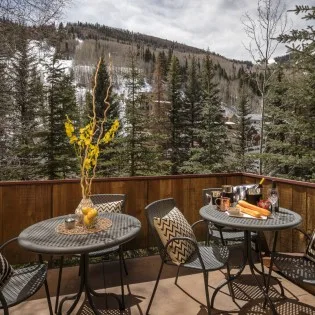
{"x":214,"y":257}
{"x":23,"y":283}
{"x":104,"y":251}
{"x":230,"y":234}
{"x":297,"y":268}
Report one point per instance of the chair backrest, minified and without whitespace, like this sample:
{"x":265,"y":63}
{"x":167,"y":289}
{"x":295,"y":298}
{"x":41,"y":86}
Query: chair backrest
{"x":208,"y":191}
{"x":106,"y":198}
{"x":310,"y":251}
{"x":158,"y":209}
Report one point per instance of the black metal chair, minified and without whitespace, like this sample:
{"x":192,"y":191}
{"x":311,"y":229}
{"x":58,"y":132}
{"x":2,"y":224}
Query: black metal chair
{"x":296,"y":267}
{"x":204,"y":258}
{"x":23,"y":283}
{"x":99,"y":200}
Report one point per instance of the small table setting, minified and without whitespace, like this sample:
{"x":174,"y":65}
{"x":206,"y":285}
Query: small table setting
{"x":63,"y":236}
{"x":249,"y":218}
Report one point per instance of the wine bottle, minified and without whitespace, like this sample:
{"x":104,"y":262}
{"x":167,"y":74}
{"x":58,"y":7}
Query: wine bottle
{"x":254,"y":194}
{"x":260,"y":184}
{"x":274,"y":186}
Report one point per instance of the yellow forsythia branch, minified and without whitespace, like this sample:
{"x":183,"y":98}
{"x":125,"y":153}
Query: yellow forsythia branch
{"x":87,"y":148}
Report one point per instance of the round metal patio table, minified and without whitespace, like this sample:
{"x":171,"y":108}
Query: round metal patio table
{"x":42,"y":238}
{"x":284,"y":219}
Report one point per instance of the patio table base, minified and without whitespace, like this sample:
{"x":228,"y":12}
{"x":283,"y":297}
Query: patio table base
{"x":89,"y":292}
{"x":253,"y":269}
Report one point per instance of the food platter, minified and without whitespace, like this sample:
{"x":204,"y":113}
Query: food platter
{"x":246,"y":216}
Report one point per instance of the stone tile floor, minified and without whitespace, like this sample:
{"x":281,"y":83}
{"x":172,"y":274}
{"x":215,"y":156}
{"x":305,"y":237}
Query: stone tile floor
{"x":186,"y":298}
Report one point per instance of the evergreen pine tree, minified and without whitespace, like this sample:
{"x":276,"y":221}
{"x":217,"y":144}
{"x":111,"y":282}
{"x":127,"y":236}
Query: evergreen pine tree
{"x":139,"y":155}
{"x":27,"y":97}
{"x":192,"y":99}
{"x":178,"y":144}
{"x":163,"y":62}
{"x":159,"y":96}
{"x":209,"y":156}
{"x":6,"y":157}
{"x":291,"y":112}
{"x":59,"y":161}
{"x":243,"y":124}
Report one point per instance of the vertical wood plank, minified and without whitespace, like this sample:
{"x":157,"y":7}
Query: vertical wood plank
{"x":285,"y":201}
{"x":1,"y":217}
{"x":23,"y":206}
{"x":136,"y":201}
{"x":299,"y":205}
{"x":66,"y":198}
{"x":310,"y":210}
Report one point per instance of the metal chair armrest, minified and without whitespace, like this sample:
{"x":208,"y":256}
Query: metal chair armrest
{"x":13,"y":240}
{"x":304,"y":233}
{"x":7,"y":243}
{"x":199,"y":221}
{"x":309,"y":282}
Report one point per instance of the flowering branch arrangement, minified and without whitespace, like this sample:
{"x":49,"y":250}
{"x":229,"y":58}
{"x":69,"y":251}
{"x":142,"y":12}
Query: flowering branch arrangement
{"x":88,"y":139}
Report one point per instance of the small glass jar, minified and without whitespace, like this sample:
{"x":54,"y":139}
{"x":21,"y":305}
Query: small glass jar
{"x":69,"y":222}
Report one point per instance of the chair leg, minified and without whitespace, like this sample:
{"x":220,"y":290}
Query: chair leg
{"x":228,"y":271}
{"x":48,"y":297}
{"x":121,"y":278}
{"x":103,"y":263}
{"x":79,"y":272}
{"x":59,"y":284}
{"x":46,"y":288}
{"x":4,"y":304}
{"x":205,"y":276}
{"x":155,"y":287}
{"x":124,"y":262}
{"x":177,"y":274}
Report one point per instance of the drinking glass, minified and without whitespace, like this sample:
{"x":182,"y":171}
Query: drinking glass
{"x":273,"y":198}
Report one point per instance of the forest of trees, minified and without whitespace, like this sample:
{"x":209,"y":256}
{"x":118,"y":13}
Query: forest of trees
{"x":179,"y":127}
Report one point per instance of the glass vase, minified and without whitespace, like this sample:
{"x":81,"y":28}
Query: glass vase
{"x":84,"y":203}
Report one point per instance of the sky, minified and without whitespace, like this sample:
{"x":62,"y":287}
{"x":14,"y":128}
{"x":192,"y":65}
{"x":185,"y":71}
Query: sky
{"x":213,"y":24}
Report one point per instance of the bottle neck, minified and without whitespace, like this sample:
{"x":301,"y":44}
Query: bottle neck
{"x":260,"y":183}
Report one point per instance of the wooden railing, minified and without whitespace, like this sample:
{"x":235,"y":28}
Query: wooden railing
{"x":25,"y":203}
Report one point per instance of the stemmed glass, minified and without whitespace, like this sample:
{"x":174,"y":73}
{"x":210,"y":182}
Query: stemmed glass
{"x":273,"y":198}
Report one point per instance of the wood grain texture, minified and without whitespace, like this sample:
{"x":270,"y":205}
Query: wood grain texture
{"x":25,"y":203}
{"x":299,"y":205}
{"x":285,"y":201}
{"x":310,"y":210}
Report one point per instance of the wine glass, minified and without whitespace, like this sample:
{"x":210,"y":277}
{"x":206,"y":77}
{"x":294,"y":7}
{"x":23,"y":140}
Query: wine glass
{"x":273,"y":198}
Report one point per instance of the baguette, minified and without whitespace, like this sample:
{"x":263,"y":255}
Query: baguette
{"x":248,"y":205}
{"x":251,"y":212}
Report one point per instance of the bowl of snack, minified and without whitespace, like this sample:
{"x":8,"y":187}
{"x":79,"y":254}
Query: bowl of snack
{"x":265,"y":204}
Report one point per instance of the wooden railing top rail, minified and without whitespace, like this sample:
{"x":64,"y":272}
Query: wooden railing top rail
{"x":123,"y":179}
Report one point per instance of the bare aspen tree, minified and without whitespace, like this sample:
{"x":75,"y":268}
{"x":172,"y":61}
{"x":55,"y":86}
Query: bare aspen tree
{"x":262,"y":31}
{"x":26,"y":12}
{"x":34,"y":12}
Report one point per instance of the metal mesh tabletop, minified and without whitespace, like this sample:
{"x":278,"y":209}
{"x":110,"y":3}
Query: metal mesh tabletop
{"x":283,"y":219}
{"x":43,"y":238}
